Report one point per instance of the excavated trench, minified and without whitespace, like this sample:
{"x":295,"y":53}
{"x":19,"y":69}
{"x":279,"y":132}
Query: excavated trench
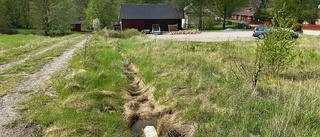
{"x":143,"y":110}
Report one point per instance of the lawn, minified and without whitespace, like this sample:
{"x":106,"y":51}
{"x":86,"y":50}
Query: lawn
{"x":14,"y":41}
{"x":219,"y":102}
{"x":15,"y":47}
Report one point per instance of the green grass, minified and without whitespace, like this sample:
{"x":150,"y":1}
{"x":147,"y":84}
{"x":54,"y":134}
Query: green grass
{"x":15,"y":47}
{"x":34,"y":64}
{"x":30,"y":31}
{"x":51,"y":33}
{"x":223,"y":105}
{"x":30,"y":66}
{"x":220,"y":103}
{"x":85,"y":89}
{"x":11,"y":83}
{"x":14,"y":41}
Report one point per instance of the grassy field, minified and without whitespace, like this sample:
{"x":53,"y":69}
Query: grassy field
{"x":15,"y":47}
{"x":223,"y":105}
{"x":90,"y":101}
{"x":89,"y":96}
{"x":14,"y":41}
{"x":18,"y":73}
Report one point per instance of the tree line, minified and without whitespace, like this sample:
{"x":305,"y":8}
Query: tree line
{"x":56,"y":15}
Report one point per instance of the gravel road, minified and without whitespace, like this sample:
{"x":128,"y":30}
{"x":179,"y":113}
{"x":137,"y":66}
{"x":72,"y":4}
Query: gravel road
{"x":8,"y":107}
{"x":234,"y":35}
{"x":209,"y":36}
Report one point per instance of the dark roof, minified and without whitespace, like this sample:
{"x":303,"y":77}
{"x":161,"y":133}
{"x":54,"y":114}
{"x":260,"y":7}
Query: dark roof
{"x":247,"y":11}
{"x":148,"y":11}
{"x":75,"y":22}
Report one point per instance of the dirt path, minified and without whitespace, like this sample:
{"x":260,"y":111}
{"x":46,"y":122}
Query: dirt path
{"x":8,"y":107}
{"x":14,"y":63}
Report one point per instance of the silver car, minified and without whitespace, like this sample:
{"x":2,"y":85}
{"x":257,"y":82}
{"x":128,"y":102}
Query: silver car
{"x":261,"y":32}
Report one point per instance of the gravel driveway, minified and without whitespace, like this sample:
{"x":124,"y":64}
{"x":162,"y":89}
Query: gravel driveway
{"x":209,"y":36}
{"x":234,"y":35}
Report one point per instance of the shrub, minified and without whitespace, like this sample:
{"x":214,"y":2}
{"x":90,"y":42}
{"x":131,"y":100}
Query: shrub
{"x":124,"y":34}
{"x":296,"y":27}
{"x":96,"y":24}
{"x":7,"y":30}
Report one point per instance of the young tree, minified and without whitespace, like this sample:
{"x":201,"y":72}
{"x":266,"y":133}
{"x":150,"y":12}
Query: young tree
{"x":273,"y":54}
{"x":227,"y":7}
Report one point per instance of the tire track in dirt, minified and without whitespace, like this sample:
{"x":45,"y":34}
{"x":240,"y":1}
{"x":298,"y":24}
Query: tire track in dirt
{"x":143,"y":110}
{"x":8,"y":107}
{"x":14,"y":63}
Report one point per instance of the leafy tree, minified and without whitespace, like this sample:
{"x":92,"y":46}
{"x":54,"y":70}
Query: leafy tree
{"x":3,"y":18}
{"x":52,"y":14}
{"x":60,"y":15}
{"x":227,"y":7}
{"x":39,"y":13}
{"x":13,"y":9}
{"x":81,"y":7}
{"x":103,"y":10}
{"x":199,"y":7}
{"x":300,"y":10}
{"x":262,"y":14}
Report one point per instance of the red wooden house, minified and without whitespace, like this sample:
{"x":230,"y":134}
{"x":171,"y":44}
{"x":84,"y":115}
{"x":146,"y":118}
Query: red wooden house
{"x":244,"y":14}
{"x":142,"y":16}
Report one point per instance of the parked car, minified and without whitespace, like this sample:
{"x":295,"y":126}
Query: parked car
{"x":261,"y":32}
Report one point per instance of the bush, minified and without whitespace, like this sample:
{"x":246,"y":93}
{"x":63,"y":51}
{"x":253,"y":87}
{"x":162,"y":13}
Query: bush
{"x":124,"y":34}
{"x":296,"y":27}
{"x":6,"y":30}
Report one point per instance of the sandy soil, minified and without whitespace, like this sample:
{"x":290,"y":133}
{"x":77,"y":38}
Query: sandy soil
{"x":9,"y":110}
{"x":209,"y":36}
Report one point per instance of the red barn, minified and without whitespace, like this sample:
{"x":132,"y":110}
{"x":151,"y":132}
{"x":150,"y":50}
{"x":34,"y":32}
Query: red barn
{"x":142,"y":16}
{"x":76,"y":25}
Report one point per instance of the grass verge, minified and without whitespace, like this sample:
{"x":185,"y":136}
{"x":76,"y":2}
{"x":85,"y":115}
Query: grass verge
{"x":221,"y":103}
{"x":89,"y":96}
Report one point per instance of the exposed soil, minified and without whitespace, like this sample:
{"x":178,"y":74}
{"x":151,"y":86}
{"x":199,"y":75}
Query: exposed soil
{"x":9,"y":110}
{"x":143,"y":110}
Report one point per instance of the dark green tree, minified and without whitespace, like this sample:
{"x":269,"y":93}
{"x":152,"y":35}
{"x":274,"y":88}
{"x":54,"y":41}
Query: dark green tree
{"x":103,"y":10}
{"x":300,"y":10}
